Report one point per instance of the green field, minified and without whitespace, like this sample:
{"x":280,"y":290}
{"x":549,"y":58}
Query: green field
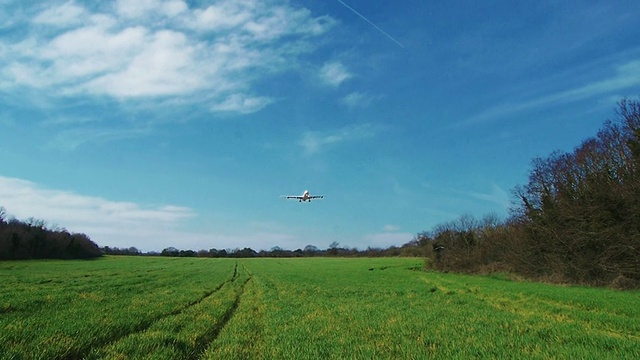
{"x":311,"y":308}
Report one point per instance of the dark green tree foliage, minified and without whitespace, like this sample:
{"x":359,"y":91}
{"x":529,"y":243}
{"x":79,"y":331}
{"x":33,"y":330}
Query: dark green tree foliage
{"x":32,"y":240}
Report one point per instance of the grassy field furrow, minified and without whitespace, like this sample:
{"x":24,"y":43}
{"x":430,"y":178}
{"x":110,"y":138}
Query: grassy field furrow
{"x":186,"y":334}
{"x":124,"y":343}
{"x":78,"y":319}
{"x":241,"y":338}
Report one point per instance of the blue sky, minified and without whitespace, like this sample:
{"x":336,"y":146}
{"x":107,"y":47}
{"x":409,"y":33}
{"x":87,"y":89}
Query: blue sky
{"x":154,"y":123}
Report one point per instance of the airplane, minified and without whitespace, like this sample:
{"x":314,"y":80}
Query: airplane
{"x":304,"y":197}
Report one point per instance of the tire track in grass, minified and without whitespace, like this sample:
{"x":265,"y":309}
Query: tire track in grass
{"x":143,"y":326}
{"x":242,"y":337}
{"x":216,"y":330}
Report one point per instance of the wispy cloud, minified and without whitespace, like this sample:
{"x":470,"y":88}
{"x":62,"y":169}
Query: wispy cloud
{"x":625,"y":76}
{"x":100,"y":218}
{"x":66,"y":14}
{"x":334,"y":73}
{"x":74,"y":138}
{"x":386,"y":239}
{"x":135,"y":9}
{"x":497,"y":195}
{"x":358,"y":99}
{"x":316,"y":141}
{"x":242,"y":104}
{"x":391,"y":228}
{"x":25,"y":199}
{"x":158,"y":49}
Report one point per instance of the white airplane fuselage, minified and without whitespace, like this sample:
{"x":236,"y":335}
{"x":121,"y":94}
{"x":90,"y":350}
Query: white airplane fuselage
{"x":305,"y":196}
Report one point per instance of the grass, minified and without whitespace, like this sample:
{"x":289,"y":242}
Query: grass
{"x":185,"y":308}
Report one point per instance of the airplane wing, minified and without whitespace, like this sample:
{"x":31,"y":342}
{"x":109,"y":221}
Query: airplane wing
{"x":293,"y":197}
{"x":316,"y":197}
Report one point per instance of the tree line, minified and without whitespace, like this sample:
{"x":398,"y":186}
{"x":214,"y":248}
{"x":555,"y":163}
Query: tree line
{"x":411,"y":248}
{"x":577,"y":220}
{"x":32,"y":239}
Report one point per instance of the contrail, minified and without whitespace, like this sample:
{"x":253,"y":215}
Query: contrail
{"x":372,"y":24}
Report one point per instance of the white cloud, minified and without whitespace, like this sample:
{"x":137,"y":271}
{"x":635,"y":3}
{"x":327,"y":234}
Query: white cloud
{"x":358,"y":99}
{"x":161,"y":69}
{"x":105,"y":221}
{"x":315,"y":141}
{"x":391,"y":228}
{"x":92,"y":52}
{"x":259,"y":19}
{"x":160,"y":48}
{"x":223,"y":15}
{"x":66,"y":14}
{"x":334,"y":73}
{"x":242,"y":104}
{"x":26,"y":199}
{"x":174,"y":7}
{"x":139,"y":8}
